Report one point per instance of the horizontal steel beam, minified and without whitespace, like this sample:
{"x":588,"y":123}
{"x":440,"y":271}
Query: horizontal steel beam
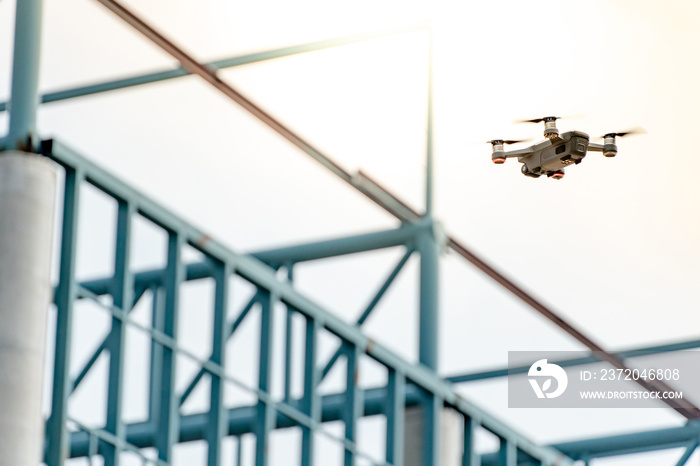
{"x":636,"y":442}
{"x":404,"y":235}
{"x":631,"y":353}
{"x":241,"y":420}
{"x":230,"y":62}
{"x":280,"y":256}
{"x":617,"y":445}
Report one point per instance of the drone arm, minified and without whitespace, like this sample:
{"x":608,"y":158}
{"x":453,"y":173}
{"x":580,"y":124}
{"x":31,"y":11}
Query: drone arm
{"x":519,"y":152}
{"x":592,"y":146}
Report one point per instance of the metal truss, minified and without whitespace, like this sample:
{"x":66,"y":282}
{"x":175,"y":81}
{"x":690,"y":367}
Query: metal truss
{"x":408,"y":385}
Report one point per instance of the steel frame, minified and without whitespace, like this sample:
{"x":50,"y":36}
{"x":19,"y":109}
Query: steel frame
{"x":408,"y":385}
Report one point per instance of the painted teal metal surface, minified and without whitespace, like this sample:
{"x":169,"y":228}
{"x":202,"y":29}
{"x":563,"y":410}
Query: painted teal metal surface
{"x":122,"y":297}
{"x":57,"y":438}
{"x":626,"y":354}
{"x":394,"y":408}
{"x":216,"y":428}
{"x":24,"y":97}
{"x":230,"y":62}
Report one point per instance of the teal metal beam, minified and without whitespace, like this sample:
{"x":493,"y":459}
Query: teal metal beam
{"x":122,"y":297}
{"x":429,"y":250}
{"x":24,"y":95}
{"x":617,"y":445}
{"x":169,"y":403}
{"x":216,"y":429}
{"x":507,"y":453}
{"x":395,"y":410}
{"x":687,"y":453}
{"x":156,"y":366}
{"x":56,"y":426}
{"x":225,"y":63}
{"x":288,"y":337}
{"x":626,"y":354}
{"x":241,"y":420}
{"x":404,"y":235}
{"x":310,"y":402}
{"x":353,"y":400}
{"x":264,"y":421}
{"x":429,"y":153}
{"x":469,"y":455}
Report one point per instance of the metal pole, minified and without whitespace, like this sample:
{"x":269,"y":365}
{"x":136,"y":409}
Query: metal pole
{"x":428,"y":247}
{"x":429,"y":131}
{"x":27,"y":198}
{"x":24,"y":98}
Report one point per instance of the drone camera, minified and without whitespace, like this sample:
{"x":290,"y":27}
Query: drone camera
{"x":525,"y":171}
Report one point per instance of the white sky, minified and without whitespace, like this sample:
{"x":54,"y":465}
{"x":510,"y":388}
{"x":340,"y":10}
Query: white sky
{"x":612,"y":246}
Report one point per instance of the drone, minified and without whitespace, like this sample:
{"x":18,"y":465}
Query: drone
{"x":556,"y":152}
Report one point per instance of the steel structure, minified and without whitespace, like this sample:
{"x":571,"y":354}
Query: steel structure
{"x":408,"y":385}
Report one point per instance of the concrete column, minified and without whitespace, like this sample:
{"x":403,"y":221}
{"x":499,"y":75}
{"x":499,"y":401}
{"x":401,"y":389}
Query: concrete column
{"x":27,"y":204}
{"x":450,"y":437}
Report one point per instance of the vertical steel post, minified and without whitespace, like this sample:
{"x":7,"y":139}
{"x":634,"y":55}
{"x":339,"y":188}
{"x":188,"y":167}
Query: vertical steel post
{"x":354,"y":406}
{"x":288,"y":341}
{"x":507,"y":453}
{"x":24,"y":97}
{"x":122,"y":297}
{"x":311,"y":404}
{"x":469,"y":455}
{"x":265,"y":414}
{"x":169,"y":403}
{"x":57,"y":431}
{"x":395,"y":411}
{"x":429,"y":130}
{"x":216,"y":429}
{"x":429,"y":249}
{"x":156,"y":366}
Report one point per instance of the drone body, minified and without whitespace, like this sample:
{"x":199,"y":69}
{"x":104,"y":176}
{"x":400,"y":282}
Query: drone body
{"x":556,"y":152}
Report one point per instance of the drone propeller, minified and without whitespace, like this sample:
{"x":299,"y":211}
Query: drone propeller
{"x":632,"y":131}
{"x":538,"y":120}
{"x":550,"y":118}
{"x":506,"y":141}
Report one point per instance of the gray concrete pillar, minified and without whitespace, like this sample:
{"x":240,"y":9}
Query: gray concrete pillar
{"x":27,"y":205}
{"x":450,"y":437}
